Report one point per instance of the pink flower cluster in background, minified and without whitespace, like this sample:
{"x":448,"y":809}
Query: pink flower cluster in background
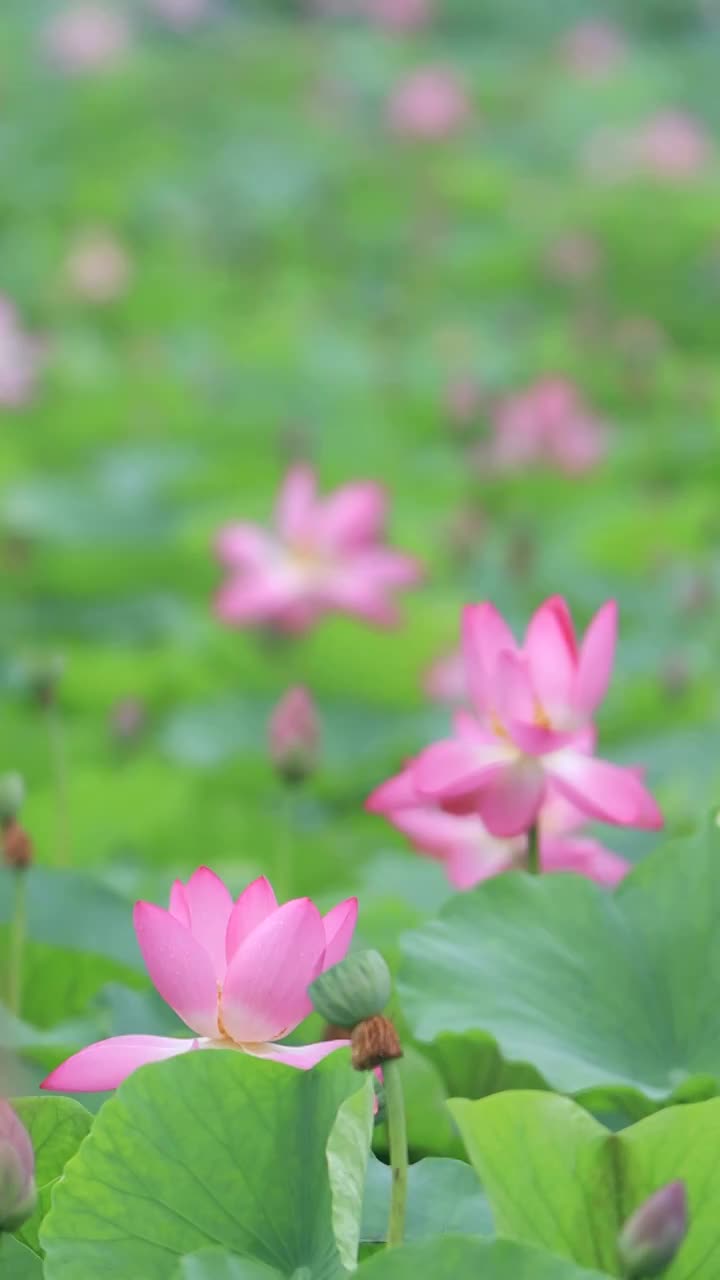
{"x":180,"y":14}
{"x":87,"y":37}
{"x":593,"y":49}
{"x":550,"y":423}
{"x":322,"y":555}
{"x":429,"y":104}
{"x":237,"y":973}
{"x":20,"y":358}
{"x":527,"y":744}
{"x":671,"y":145}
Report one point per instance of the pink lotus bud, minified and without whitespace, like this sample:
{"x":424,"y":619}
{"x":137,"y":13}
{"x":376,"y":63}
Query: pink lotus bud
{"x":294,"y":735}
{"x":653,"y":1234}
{"x":18,"y":1193}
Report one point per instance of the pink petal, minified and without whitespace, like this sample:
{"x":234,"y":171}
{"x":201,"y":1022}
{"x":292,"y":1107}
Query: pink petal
{"x":352,"y":516}
{"x":179,"y":967}
{"x":210,"y":904}
{"x":603,"y":790}
{"x":384,"y":568}
{"x":339,"y":925}
{"x":452,"y":768}
{"x":396,"y":793}
{"x":586,"y":857}
{"x":467,"y":867}
{"x":354,"y":594}
{"x":534,"y":740}
{"x":552,"y":651}
{"x":514,"y":696}
{"x":485,"y":635}
{"x":244,"y":546}
{"x":510,"y":803}
{"x":254,"y":905}
{"x":597,"y":655}
{"x":257,"y":599}
{"x":295,"y":505}
{"x":106,"y":1064}
{"x":303,"y":1056}
{"x":178,"y":903}
{"x":265,"y":991}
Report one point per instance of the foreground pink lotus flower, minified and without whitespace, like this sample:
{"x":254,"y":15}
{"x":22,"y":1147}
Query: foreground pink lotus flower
{"x":429,"y":104}
{"x":532,"y":729}
{"x":236,"y":973}
{"x":86,"y":37}
{"x":20,"y":357}
{"x":548,"y":422}
{"x":98,"y":268}
{"x":470,"y":853}
{"x":593,"y":49}
{"x":323,"y":555}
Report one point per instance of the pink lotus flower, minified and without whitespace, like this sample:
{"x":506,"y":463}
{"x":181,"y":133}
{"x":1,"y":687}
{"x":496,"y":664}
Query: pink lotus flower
{"x":294,"y":734}
{"x":672,"y":145}
{"x":323,"y":555}
{"x":444,"y":680}
{"x":592,"y":49}
{"x":98,"y":268}
{"x":20,"y":356}
{"x":470,"y":853}
{"x":236,"y":973}
{"x":430,"y":104}
{"x":532,"y":729}
{"x":547,"y":423}
{"x":86,"y":37}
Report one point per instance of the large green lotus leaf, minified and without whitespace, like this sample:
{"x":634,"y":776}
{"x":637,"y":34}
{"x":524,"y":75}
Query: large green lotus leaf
{"x":213,"y":1264}
{"x":56,"y":1126}
{"x":208,"y":1149}
{"x":596,"y":991}
{"x":466,"y":1258}
{"x":444,"y":1197}
{"x":558,"y":1179}
{"x":17,"y":1262}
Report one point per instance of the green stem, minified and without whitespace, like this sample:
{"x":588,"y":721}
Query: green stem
{"x":397,"y":1133}
{"x":533,"y":857}
{"x":284,"y":863}
{"x":17,"y":942}
{"x":58,"y":767}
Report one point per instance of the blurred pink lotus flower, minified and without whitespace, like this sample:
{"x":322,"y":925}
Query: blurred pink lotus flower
{"x":20,"y":356}
{"x":549,"y":422}
{"x":470,"y":853}
{"x":294,"y":735}
{"x":444,"y":680}
{"x":98,"y":268}
{"x":672,"y":145}
{"x":18,"y":1194}
{"x":532,"y":729}
{"x":398,"y":15}
{"x":86,"y":37}
{"x":323,"y":555}
{"x":180,"y":14}
{"x":236,"y":973}
{"x":593,"y":49}
{"x":430,"y":104}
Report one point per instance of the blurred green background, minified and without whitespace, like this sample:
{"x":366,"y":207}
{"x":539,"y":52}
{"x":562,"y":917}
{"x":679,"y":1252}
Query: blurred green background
{"x":274,"y":273}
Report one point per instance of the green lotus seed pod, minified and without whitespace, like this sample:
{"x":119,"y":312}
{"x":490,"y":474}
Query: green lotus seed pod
{"x":12,"y":796}
{"x":357,"y":988}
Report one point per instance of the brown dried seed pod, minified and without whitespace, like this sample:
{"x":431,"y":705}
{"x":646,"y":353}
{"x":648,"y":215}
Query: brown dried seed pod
{"x":17,"y":847}
{"x":374,"y":1041}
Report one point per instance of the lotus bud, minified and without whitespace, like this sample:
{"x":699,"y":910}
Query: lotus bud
{"x":653,"y":1234}
{"x":12,"y":797}
{"x":18,"y":1194}
{"x":357,"y":988}
{"x":294,"y":735}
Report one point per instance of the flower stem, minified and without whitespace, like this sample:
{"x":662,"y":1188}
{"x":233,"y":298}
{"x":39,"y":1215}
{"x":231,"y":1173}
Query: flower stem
{"x":533,"y":856}
{"x":397,"y":1133}
{"x":17,"y":941}
{"x":285,"y":848}
{"x":58,"y":767}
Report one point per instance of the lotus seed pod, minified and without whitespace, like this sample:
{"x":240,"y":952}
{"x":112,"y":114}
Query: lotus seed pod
{"x":357,"y":988}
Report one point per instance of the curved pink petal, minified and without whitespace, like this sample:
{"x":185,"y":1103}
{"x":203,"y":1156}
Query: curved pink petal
{"x":265,"y":992}
{"x":303,"y":1056}
{"x":178,"y":903}
{"x":597,"y":655}
{"x":254,"y":905}
{"x":510,"y":803}
{"x":552,"y":652}
{"x":179,"y":967}
{"x":243,"y":601}
{"x":210,"y":904}
{"x":244,"y":546}
{"x":396,"y":793}
{"x":339,"y":925}
{"x":352,"y":516}
{"x":535,"y":740}
{"x":603,"y":790}
{"x":295,"y":508}
{"x":384,"y":568}
{"x":466,"y":725}
{"x":360,"y":597}
{"x":514,"y":696}
{"x":586,"y":857}
{"x":451,"y":768}
{"x":106,"y":1064}
{"x":485,"y":635}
